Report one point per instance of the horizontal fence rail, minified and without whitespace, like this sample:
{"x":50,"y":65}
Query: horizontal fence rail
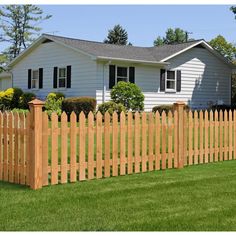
{"x":38,"y":151}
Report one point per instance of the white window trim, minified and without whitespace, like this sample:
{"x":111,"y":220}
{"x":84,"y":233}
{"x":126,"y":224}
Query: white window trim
{"x":121,"y":76}
{"x":58,"y":78}
{"x":171,"y":90}
{"x":37,"y":84}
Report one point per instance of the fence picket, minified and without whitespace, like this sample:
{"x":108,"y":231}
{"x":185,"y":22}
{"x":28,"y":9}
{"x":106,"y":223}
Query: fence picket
{"x":157,"y":135}
{"x":27,"y":144}
{"x":22,"y":149}
{"x":206,"y":141}
{"x":11,"y":156}
{"x":190,"y":138}
{"x":185,"y":138}
{"x":16,"y":147}
{"x":5,"y":148}
{"x":130,"y":143}
{"x":144,"y":142}
{"x":176,"y":139}
{"x":230,"y":135}
{"x":170,"y":130}
{"x":114,"y":144}
{"x":82,"y":146}
{"x":211,"y":136}
{"x":163,"y":149}
{"x":201,"y":137}
{"x":99,"y":146}
{"x":107,"y":145}
{"x":216,"y":136}
{"x":234,"y":134}
{"x":64,"y":137}
{"x":137,"y":142}
{"x":90,"y":145}
{"x":225,"y":135}
{"x":221,"y":135}
{"x":195,"y":137}
{"x":150,"y":142}
{"x":1,"y":146}
{"x":122,"y":143}
{"x":73,"y":138}
{"x":54,"y":164}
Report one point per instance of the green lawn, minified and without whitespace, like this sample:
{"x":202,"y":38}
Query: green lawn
{"x":198,"y":198}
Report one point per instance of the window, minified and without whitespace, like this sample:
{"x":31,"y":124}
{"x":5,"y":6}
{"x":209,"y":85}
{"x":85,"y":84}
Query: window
{"x":62,"y":78}
{"x":35,"y":79}
{"x":121,"y":74}
{"x":171,"y":81}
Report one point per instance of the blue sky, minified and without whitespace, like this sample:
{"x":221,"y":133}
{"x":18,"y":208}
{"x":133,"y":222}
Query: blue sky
{"x":142,"y":22}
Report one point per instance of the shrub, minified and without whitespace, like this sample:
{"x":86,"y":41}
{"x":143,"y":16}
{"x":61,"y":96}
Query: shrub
{"x":25,"y":98}
{"x":128,"y":94}
{"x":10,"y":98}
{"x":167,"y":108}
{"x":78,"y":104}
{"x":18,"y":110}
{"x":111,"y":107}
{"x":53,"y":103}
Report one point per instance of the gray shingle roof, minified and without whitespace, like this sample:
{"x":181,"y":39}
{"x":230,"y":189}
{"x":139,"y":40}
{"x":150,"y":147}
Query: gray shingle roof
{"x":152,"y":54}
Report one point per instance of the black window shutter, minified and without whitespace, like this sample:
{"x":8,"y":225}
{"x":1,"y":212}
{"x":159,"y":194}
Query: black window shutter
{"x":40,"y":78}
{"x":29,"y":79}
{"x":112,"y":75}
{"x":178,"y":80}
{"x":132,"y":75}
{"x":68,"y":77}
{"x":55,"y":77}
{"x":162,"y":80}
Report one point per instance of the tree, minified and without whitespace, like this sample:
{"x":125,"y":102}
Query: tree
{"x":19,"y":24}
{"x":233,"y":9}
{"x":226,"y":49}
{"x":3,"y":61}
{"x":117,"y":35}
{"x":176,"y":35}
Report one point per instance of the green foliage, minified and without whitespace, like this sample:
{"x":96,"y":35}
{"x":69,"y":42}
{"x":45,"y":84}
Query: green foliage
{"x":25,"y":98}
{"x":10,"y":98}
{"x":79,"y":104}
{"x":53,"y":103}
{"x":3,"y":61}
{"x":176,"y":35}
{"x":226,"y":49}
{"x":117,"y":35}
{"x":111,"y":107}
{"x":19,"y":24}
{"x":233,"y":9}
{"x":128,"y":94}
{"x":18,"y":110}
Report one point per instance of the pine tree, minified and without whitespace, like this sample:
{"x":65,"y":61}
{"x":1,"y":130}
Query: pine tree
{"x":117,"y":35}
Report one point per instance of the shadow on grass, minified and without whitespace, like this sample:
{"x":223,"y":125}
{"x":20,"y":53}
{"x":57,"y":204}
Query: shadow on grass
{"x":12,"y":186}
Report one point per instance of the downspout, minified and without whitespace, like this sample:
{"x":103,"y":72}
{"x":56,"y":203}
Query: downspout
{"x":104,"y":82}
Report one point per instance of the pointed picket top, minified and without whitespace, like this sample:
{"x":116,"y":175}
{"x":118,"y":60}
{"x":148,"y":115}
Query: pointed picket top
{"x":157,"y":114}
{"x":211,"y":113}
{"x":54,"y":116}
{"x":136,"y":115}
{"x":144,"y":116}
{"x":122,"y":114}
{"x":230,"y":113}
{"x":107,"y":116}
{"x":90,"y":115}
{"x":190,"y":114}
{"x":130,"y":114}
{"x":63,"y":117}
{"x":99,"y":114}
{"x":206,"y":114}
{"x":201,"y":114}
{"x":195,"y":114}
{"x":72,"y":116}
{"x":163,"y":115}
{"x":81,"y":115}
{"x":114,"y":117}
{"x":225,"y":114}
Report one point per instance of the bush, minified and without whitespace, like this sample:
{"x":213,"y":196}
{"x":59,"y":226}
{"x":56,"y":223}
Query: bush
{"x":129,"y":95}
{"x":25,"y":98}
{"x":167,"y":108}
{"x":111,"y":107}
{"x":18,"y":110}
{"x":10,"y":98}
{"x":79,"y":104}
{"x":53,"y":103}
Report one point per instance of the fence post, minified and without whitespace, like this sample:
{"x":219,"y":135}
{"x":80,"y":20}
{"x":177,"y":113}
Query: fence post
{"x":35,"y":143}
{"x":179,"y":107}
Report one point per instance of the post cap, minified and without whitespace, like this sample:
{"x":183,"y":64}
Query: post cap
{"x":36,"y":102}
{"x":179,"y":103}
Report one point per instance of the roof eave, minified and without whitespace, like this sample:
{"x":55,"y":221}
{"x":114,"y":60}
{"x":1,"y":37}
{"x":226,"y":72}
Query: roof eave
{"x":115,"y":59}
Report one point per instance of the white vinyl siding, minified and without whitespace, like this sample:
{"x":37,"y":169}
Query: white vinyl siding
{"x":5,"y":83}
{"x":204,"y":79}
{"x":50,"y":55}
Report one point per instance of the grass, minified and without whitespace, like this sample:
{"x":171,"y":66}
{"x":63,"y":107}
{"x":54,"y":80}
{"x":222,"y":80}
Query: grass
{"x":196,"y":198}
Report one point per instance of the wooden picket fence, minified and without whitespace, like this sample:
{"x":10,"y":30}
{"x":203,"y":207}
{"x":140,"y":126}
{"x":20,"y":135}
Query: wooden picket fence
{"x":38,"y":151}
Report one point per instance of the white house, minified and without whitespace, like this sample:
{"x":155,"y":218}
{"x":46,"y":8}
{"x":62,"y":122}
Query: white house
{"x":191,"y":72}
{"x":5,"y":81}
